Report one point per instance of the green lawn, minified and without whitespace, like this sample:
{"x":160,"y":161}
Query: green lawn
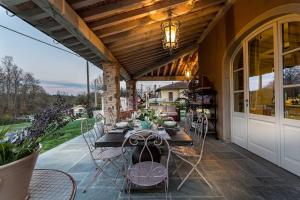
{"x":62,"y":135}
{"x":15,"y":127}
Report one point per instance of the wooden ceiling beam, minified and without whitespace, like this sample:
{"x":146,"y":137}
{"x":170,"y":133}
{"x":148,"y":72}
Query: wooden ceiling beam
{"x":162,"y":78}
{"x":62,"y":12}
{"x":195,"y":15}
{"x":113,"y":20}
{"x":146,"y":21}
{"x":84,"y":3}
{"x":10,"y":3}
{"x":155,"y":40}
{"x":165,"y":61}
{"x":155,"y":52}
{"x":166,"y":69}
{"x":178,"y":66}
{"x":172,"y":67}
{"x":156,"y":44}
{"x":164,"y":53}
{"x":98,"y":12}
{"x":155,"y":29}
{"x":184,"y":29}
{"x":144,"y":61}
{"x":185,"y":65}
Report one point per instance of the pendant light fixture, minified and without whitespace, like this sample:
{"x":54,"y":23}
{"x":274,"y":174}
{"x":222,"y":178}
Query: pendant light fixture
{"x":170,"y":33}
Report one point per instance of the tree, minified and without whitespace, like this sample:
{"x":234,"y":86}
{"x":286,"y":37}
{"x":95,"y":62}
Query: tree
{"x":19,"y":91}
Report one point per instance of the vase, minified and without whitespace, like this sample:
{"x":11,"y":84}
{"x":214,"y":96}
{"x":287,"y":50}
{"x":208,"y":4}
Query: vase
{"x":15,"y":177}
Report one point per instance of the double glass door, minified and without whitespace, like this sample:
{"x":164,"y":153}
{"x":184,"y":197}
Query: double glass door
{"x":266,"y":93}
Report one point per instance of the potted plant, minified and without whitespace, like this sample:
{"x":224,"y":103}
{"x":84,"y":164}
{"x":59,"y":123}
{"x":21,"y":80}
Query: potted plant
{"x":19,"y":151}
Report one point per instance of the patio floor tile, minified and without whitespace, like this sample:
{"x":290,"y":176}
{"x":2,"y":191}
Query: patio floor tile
{"x":234,"y":173}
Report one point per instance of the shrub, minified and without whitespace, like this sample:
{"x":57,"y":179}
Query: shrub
{"x":26,"y":142}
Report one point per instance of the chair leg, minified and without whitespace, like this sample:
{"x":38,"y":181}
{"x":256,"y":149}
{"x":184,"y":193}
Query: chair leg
{"x":205,"y":180}
{"x":128,"y":189}
{"x":177,"y":168}
{"x":166,"y":188}
{"x":98,"y":172}
{"x":182,"y":182}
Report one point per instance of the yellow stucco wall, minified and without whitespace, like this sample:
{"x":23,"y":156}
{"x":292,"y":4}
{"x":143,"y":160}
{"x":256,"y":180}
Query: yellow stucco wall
{"x":213,"y":48}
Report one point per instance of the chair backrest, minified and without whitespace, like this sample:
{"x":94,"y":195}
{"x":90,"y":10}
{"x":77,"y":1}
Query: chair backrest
{"x":203,"y":120}
{"x":90,"y":133}
{"x":189,"y":119}
{"x":111,"y":117}
{"x":100,"y":126}
{"x":144,"y":139}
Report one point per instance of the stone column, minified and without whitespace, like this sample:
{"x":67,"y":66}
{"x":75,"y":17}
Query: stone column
{"x":111,"y":95}
{"x":131,"y":94}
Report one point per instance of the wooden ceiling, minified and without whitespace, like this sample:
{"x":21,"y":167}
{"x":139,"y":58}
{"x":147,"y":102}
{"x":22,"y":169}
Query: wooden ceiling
{"x":174,"y":70}
{"x":126,"y":32}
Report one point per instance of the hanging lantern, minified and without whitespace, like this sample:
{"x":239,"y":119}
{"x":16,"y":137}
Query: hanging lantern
{"x":170,"y":32}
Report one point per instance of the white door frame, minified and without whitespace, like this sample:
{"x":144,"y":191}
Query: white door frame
{"x":278,"y":119}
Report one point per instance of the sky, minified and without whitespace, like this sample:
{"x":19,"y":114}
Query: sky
{"x":55,"y":69}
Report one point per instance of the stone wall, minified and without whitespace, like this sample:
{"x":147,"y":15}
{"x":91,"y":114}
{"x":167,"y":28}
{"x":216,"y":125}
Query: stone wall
{"x":131,"y":94}
{"x":111,"y":95}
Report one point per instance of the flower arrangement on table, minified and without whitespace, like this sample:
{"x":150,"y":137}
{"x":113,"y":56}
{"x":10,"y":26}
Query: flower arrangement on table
{"x":148,"y":118}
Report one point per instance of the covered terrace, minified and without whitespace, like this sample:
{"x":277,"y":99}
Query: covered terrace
{"x":247,"y":50}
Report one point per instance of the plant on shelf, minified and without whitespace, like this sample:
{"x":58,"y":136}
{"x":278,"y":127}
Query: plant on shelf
{"x":19,"y":151}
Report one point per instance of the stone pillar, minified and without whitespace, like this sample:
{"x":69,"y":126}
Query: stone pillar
{"x":111,"y":95}
{"x":131,"y":94}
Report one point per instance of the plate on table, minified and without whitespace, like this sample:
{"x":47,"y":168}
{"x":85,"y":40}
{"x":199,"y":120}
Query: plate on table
{"x":170,"y":124}
{"x":122,"y":125}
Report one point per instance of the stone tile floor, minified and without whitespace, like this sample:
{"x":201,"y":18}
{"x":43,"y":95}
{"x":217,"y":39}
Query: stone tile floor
{"x":234,"y":173}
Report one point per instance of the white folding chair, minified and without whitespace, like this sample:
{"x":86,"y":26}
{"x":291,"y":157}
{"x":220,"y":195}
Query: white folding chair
{"x":102,"y":157}
{"x":190,"y":152}
{"x":147,"y":173}
{"x":198,"y":127}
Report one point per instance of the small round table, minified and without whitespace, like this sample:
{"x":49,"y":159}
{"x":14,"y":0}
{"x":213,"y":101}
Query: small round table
{"x":48,"y":184}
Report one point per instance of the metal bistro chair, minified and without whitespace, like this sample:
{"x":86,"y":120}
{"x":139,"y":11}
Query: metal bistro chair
{"x":190,"y":152}
{"x":198,"y":126}
{"x":188,"y":120}
{"x":147,"y":172}
{"x":102,"y":157}
{"x":111,"y":117}
{"x":100,"y":123}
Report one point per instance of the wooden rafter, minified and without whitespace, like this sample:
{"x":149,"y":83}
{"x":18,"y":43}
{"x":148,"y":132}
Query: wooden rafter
{"x":147,"y":21}
{"x":162,"y":78}
{"x":129,"y":31}
{"x":65,"y":15}
{"x":166,"y":69}
{"x":98,"y":12}
{"x":135,"y":14}
{"x":165,"y":61}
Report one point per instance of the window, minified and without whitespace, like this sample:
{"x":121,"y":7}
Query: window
{"x":170,"y":96}
{"x":291,"y":69}
{"x":261,"y":74}
{"x":238,"y":82}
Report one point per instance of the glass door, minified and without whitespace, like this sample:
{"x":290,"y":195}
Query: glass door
{"x":290,"y":89}
{"x":265,"y":93}
{"x":262,"y":131}
{"x":239,"y":118}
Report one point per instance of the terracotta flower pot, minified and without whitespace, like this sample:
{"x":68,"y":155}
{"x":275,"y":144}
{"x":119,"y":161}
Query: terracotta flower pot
{"x":15,"y":177}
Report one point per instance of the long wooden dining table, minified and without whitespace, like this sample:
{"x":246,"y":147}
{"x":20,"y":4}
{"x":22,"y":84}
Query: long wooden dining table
{"x":181,"y":138}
